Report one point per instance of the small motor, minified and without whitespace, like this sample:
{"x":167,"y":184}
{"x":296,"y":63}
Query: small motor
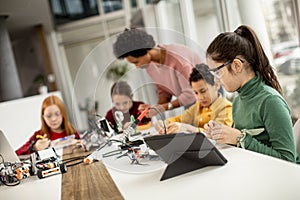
{"x":12,"y":173}
{"x":48,"y":165}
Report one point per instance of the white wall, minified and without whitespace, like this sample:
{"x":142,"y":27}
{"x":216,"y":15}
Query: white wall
{"x":87,"y":64}
{"x":20,"y":118}
{"x":207,"y":29}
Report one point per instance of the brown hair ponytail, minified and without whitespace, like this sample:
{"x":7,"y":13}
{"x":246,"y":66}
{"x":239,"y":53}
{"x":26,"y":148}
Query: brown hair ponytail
{"x":262,"y":64}
{"x":244,"y":42}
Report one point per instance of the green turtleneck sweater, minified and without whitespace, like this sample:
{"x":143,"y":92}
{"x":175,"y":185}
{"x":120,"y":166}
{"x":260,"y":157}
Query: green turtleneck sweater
{"x":265,"y":116}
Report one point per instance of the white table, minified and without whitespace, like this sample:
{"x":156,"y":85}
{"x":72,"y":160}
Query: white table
{"x":33,"y":188}
{"x":247,"y":175}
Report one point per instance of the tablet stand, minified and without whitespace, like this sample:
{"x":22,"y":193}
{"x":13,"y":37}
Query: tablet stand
{"x":185,"y":152}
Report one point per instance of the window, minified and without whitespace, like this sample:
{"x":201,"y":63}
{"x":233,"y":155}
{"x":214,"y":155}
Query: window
{"x":111,"y":5}
{"x":281,"y":24}
{"x":70,"y":10}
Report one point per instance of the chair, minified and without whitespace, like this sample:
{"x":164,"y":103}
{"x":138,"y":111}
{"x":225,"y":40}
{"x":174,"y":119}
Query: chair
{"x":296,"y":130}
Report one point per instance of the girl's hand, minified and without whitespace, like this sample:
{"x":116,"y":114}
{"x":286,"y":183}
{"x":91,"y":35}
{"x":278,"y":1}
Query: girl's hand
{"x":153,"y":110}
{"x":210,"y":126}
{"x":126,"y":125}
{"x":223,"y":134}
{"x":80,"y":143}
{"x":41,"y":143}
{"x":143,"y":107}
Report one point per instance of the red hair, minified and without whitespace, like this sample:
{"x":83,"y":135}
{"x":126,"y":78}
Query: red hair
{"x":66,"y":125}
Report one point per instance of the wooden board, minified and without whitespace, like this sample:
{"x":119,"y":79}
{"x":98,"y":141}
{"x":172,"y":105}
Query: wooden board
{"x":86,"y":182}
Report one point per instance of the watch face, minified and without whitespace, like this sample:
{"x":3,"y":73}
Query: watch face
{"x":170,"y":106}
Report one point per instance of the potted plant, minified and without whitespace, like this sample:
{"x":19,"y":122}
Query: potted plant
{"x":117,"y":70}
{"x":41,"y":82}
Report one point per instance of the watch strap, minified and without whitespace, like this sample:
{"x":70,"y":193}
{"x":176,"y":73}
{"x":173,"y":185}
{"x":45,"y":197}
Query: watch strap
{"x":170,"y":106}
{"x":241,"y":139}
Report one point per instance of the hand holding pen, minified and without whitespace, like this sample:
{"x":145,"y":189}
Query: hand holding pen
{"x":221,"y":133}
{"x":42,"y":143}
{"x":212,"y":129}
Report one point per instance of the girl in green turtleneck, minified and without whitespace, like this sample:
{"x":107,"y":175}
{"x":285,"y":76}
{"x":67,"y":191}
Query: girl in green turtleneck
{"x":262,"y":121}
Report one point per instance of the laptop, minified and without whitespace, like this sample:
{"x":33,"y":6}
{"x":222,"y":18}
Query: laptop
{"x":184,"y":152}
{"x":6,"y":150}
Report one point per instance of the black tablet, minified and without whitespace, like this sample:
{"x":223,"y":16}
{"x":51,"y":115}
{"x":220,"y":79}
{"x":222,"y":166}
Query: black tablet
{"x":184,"y":152}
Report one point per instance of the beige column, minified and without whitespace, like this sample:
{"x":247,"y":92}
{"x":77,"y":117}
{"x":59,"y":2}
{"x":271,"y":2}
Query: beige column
{"x":10,"y":87}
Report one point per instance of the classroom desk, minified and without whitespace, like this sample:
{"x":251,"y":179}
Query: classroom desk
{"x":87,"y":181}
{"x":81,"y":181}
{"x":247,"y":175}
{"x":33,"y":188}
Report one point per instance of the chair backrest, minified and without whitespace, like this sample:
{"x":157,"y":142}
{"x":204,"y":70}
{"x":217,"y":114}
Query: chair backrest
{"x":296,"y":130}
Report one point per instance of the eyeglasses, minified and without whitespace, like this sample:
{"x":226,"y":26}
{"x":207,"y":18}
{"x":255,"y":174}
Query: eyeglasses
{"x":119,"y":104}
{"x":49,"y":116}
{"x":216,"y":71}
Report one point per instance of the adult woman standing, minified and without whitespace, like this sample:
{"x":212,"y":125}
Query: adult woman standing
{"x":169,"y":66}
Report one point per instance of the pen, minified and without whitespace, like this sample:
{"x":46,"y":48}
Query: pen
{"x":39,"y":137}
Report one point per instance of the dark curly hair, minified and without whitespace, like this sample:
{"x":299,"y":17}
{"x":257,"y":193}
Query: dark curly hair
{"x":201,"y":72}
{"x":133,"y":42}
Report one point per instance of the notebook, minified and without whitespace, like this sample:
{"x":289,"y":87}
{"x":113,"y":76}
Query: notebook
{"x":6,"y":150}
{"x":184,"y":152}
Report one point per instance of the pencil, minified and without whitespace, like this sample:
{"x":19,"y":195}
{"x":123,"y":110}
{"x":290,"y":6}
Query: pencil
{"x":39,"y":137}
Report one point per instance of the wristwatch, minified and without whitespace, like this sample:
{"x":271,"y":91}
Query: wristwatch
{"x":170,"y":106}
{"x":241,"y":139}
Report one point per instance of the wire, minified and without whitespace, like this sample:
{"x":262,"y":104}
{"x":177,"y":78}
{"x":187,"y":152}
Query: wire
{"x":68,"y":160}
{"x":73,"y":164}
{"x":98,"y":115}
{"x":17,"y":182}
{"x":114,"y":140}
{"x":2,"y":158}
{"x":74,"y":149}
{"x":106,"y":143}
{"x":161,"y":116}
{"x":112,"y":153}
{"x":72,"y":159}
